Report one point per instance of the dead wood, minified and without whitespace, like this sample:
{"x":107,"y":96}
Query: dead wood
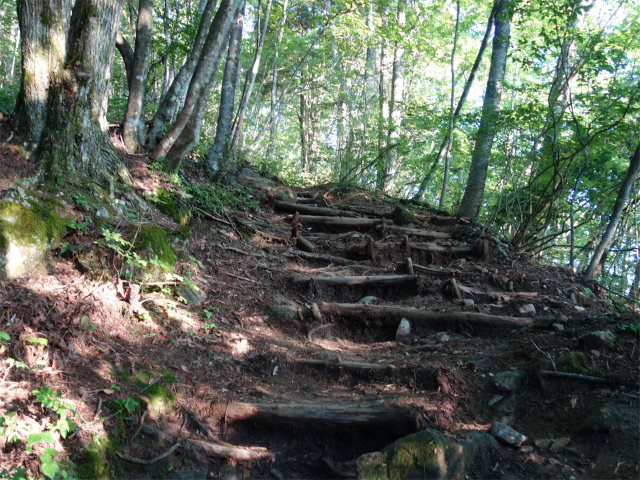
{"x":370,"y":281}
{"x":409,"y":266}
{"x":406,"y":247}
{"x":316,"y":313}
{"x":211,"y":448}
{"x":305,"y":201}
{"x":352,"y":366}
{"x":438,"y":220}
{"x":435,"y":271}
{"x":323,"y":257}
{"x":141,"y":461}
{"x":577,"y":376}
{"x":339,"y":221}
{"x":419,"y":233}
{"x":305,"y":245}
{"x":454,"y":289}
{"x":392,"y":314}
{"x":502,"y":297}
{"x":304,"y":194}
{"x":388,"y":417}
{"x":309,"y":210}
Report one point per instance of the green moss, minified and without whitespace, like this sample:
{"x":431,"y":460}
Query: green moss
{"x":171,"y":203}
{"x":574,"y":362}
{"x":152,"y":244}
{"x":402,"y":216}
{"x":98,"y":460}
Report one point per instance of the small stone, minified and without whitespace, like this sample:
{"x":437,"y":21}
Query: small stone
{"x":404,"y":331}
{"x":562,"y":318}
{"x":192,"y":294}
{"x":558,"y":327}
{"x":443,"y":337}
{"x":510,"y":381}
{"x":579,"y":308}
{"x":601,"y":419}
{"x":479,"y":363}
{"x":102,"y":213}
{"x":542,"y":443}
{"x":527,"y":309}
{"x":496,"y":400}
{"x":369,"y":300}
{"x":559,"y":444}
{"x":526,"y":449}
{"x":468,"y":303}
{"x":506,"y":434}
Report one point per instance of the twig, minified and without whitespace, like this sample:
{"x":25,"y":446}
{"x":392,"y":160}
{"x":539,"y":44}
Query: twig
{"x":545,"y":353}
{"x":212,"y":217}
{"x":233,"y":249}
{"x":144,"y":415}
{"x":239,"y":277}
{"x":97,"y":414}
{"x":224,"y":426}
{"x":577,"y":376}
{"x":140,"y":461}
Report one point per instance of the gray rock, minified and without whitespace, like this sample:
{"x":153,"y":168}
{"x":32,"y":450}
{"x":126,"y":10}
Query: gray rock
{"x":283,"y":313}
{"x":193,"y":295}
{"x":482,"y":363}
{"x":496,"y":400}
{"x":506,"y":434}
{"x":468,"y":303}
{"x":603,"y":418}
{"x":598,"y":340}
{"x":510,"y":381}
{"x":558,"y":327}
{"x":247,"y":172}
{"x":443,"y":337}
{"x":559,"y":444}
{"x":528,"y":310}
{"x":369,"y":300}
{"x":403,"y":333}
{"x":407,"y":457}
{"x":102,"y":213}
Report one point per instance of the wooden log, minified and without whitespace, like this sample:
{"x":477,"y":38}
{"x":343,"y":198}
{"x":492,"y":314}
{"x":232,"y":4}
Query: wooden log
{"x":305,"y":245}
{"x":309,"y":210}
{"x":454,"y":289}
{"x":406,"y":246}
{"x":352,"y":366}
{"x":369,"y":281}
{"x":435,"y":271}
{"x":409,"y":266}
{"x":305,"y":201}
{"x":304,"y":194}
{"x":419,"y":233}
{"x":340,"y":221}
{"x":370,"y":417}
{"x":392,"y":314}
{"x":321,"y":257}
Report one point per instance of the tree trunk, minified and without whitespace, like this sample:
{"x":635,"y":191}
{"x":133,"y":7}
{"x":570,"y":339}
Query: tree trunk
{"x":426,"y":181}
{"x":180,"y":140}
{"x":133,"y":128}
{"x":251,"y":78}
{"x":216,"y":156}
{"x":383,"y":125}
{"x":73,"y":75}
{"x":126,"y":52}
{"x":303,"y":119}
{"x":170,"y":101}
{"x":41,"y":24}
{"x":616,"y":214}
{"x":397,"y":97}
{"x":474,"y":191}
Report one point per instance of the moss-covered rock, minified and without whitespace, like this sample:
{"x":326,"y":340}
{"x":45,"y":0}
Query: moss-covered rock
{"x":171,"y":204}
{"x":573,"y":362}
{"x":597,"y":340}
{"x":282,"y":194}
{"x":29,"y":226}
{"x":425,"y":454}
{"x":601,"y":419}
{"x":153,"y":246}
{"x":402,"y":216}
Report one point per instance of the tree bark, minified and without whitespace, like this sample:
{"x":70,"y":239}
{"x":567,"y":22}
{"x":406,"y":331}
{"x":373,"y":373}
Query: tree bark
{"x":42,"y":24}
{"x":426,"y":181}
{"x":126,"y":52}
{"x":397,"y":99}
{"x":383,"y":121}
{"x":177,"y":142}
{"x":216,"y":156}
{"x":170,"y":101}
{"x":616,"y":214}
{"x":133,"y":128}
{"x":72,"y":144}
{"x":474,"y":191}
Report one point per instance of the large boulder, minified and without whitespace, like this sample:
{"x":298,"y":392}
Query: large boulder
{"x":426,"y":454}
{"x":30,"y":225}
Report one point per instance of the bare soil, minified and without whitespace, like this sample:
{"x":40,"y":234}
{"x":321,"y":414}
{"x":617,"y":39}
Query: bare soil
{"x":299,"y":371}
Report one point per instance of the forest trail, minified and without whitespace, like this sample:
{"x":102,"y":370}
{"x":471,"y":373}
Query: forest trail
{"x":333,"y":326}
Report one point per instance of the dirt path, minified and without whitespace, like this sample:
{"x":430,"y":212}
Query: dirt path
{"x":294,"y":365}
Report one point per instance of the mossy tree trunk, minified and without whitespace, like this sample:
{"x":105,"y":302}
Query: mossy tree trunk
{"x":70,"y":130}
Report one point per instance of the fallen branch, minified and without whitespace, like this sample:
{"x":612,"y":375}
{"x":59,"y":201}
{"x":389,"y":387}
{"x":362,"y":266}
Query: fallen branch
{"x":577,"y":376}
{"x":340,"y":221}
{"x":369,"y":281}
{"x":419,"y":233}
{"x":323,"y":257}
{"x":392,"y":314}
{"x":212,"y":216}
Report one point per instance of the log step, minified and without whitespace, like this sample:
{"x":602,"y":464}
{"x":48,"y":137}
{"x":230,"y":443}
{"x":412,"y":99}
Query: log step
{"x":309,"y":210}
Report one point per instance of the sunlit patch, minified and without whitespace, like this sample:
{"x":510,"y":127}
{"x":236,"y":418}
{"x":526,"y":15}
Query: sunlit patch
{"x":239,"y":346}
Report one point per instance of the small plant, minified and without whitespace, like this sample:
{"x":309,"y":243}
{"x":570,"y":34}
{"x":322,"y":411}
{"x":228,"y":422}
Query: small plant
{"x":207,"y":327}
{"x":66,"y":248}
{"x":14,"y":473}
{"x":4,"y":338}
{"x":86,"y":323}
{"x":634,"y":327}
{"x":39,"y":342}
{"x":53,"y":401}
{"x":81,"y":201}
